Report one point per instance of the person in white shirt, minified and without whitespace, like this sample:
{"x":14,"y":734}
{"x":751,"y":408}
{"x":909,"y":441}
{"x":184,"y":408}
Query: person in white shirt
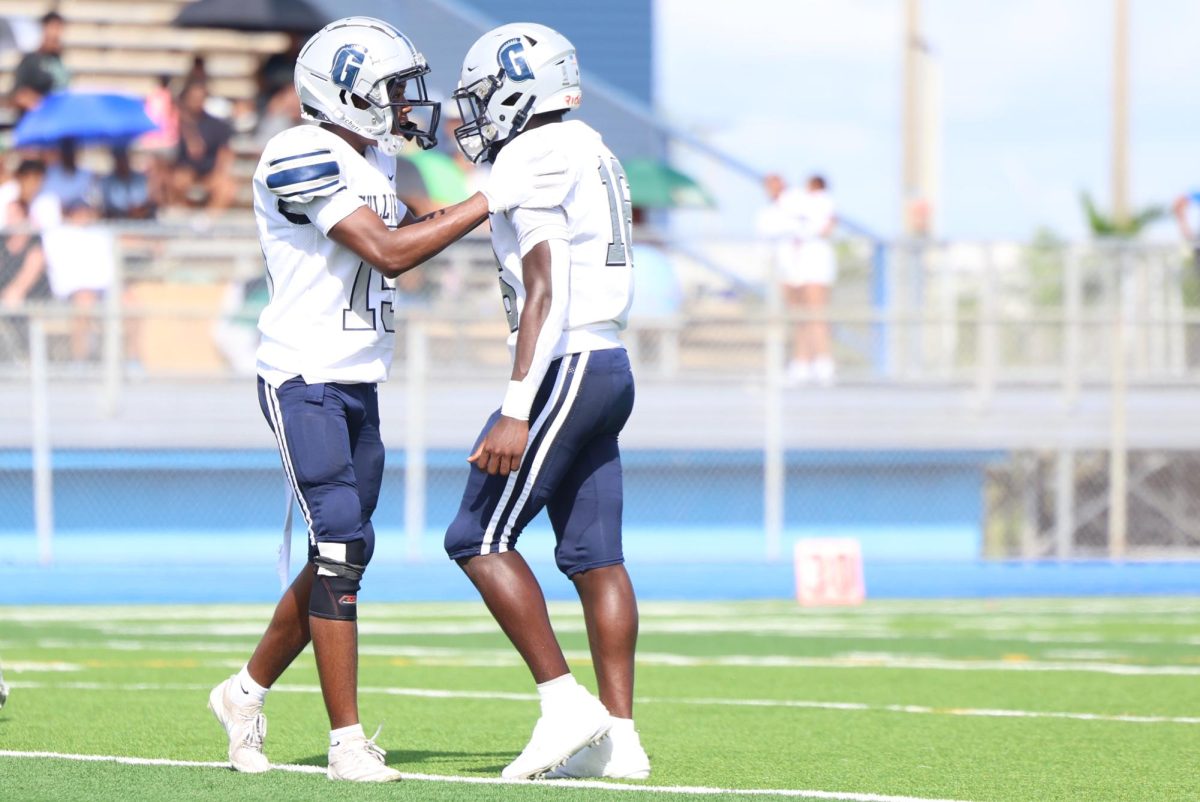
{"x":566,"y":280}
{"x":334,"y":238}
{"x":800,"y":223}
{"x":27,"y":186}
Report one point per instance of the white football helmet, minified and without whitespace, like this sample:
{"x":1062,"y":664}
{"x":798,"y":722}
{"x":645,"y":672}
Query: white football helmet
{"x":510,"y":74}
{"x":363,"y":75}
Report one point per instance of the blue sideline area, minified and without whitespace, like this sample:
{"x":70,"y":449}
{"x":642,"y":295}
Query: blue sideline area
{"x":188,"y":526}
{"x":112,"y":569}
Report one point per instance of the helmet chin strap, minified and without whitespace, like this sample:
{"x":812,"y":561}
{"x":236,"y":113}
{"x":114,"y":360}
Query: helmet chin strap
{"x":518,"y":123}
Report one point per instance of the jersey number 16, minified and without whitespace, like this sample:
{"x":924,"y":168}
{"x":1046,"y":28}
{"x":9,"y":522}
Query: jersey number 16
{"x":612,"y":175}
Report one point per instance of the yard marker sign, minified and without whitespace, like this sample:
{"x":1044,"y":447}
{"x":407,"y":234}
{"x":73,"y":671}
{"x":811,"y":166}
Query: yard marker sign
{"x":829,"y":571}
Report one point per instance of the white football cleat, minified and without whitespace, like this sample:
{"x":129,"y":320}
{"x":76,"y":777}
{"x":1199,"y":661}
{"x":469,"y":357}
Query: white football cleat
{"x":360,"y":760}
{"x":558,"y":734}
{"x":620,"y":756}
{"x":246,"y":727}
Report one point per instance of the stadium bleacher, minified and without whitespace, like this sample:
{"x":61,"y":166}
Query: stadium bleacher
{"x":125,"y":45}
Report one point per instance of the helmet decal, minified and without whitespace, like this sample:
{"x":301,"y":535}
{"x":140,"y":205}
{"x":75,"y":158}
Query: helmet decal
{"x":512,"y":61}
{"x":511,"y":74}
{"x":347,"y":61}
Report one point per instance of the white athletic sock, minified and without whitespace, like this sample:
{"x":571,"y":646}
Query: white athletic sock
{"x":344,"y":733}
{"x":555,"y":691}
{"x":622,"y":726}
{"x":246,"y":690}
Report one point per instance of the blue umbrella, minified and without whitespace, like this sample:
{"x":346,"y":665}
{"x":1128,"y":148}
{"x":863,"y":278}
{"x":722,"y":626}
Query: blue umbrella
{"x":86,"y":117}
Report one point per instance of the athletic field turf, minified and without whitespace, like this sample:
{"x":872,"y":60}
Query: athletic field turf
{"x":975,"y":700}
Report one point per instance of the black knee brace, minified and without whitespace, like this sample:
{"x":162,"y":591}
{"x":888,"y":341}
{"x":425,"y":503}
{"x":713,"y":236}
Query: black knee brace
{"x":339,"y":568}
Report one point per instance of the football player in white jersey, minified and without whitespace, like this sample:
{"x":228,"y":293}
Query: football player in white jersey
{"x":566,"y":277}
{"x":334,"y":238}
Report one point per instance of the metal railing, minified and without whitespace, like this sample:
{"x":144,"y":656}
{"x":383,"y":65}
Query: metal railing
{"x":1072,"y":374}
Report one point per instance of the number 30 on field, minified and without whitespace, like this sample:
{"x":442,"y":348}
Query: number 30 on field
{"x":829,"y":571}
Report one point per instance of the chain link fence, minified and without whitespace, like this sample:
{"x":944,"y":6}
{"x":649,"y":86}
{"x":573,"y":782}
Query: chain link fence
{"x":992,"y":400}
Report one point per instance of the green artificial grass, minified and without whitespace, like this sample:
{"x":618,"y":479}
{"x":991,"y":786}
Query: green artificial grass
{"x":931,"y":700}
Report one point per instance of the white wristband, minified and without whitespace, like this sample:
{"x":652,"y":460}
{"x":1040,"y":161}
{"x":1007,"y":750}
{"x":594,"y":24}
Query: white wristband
{"x":518,"y":400}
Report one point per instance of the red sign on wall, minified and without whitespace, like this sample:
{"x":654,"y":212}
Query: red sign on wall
{"x":829,"y":571}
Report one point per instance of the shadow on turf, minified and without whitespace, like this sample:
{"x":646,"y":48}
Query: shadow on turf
{"x":414,"y":760}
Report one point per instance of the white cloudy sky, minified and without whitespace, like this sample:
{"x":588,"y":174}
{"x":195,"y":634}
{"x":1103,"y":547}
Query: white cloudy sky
{"x":802,"y":85}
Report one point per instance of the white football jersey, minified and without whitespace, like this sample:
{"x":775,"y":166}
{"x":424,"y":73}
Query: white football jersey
{"x":330,"y":315}
{"x":590,"y":209}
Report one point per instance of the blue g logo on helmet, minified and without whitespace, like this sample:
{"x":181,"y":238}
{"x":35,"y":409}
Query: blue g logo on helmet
{"x":346,"y":64}
{"x":512,"y":61}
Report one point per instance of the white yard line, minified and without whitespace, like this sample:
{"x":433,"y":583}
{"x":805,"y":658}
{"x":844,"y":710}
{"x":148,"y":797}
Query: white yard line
{"x":766,"y":627}
{"x":915,"y":663}
{"x":383,"y":611}
{"x":504,"y":657}
{"x":1101,"y":610}
{"x":938,"y":711}
{"x":606,"y":786}
{"x":19,"y":666}
{"x":1095,"y":606}
{"x":433,"y":693}
{"x":1085,"y":654}
{"x":795,"y":626}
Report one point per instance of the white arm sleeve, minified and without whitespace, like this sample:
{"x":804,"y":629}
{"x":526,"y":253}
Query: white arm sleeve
{"x":519,"y":399}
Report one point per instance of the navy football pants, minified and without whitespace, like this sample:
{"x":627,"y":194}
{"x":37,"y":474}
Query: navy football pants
{"x":571,"y":466}
{"x":329,"y":443}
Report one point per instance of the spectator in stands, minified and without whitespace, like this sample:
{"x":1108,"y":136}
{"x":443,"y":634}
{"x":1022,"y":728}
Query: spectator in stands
{"x":275,"y":76}
{"x":81,"y":261}
{"x":162,"y":144}
{"x":22,"y":260}
{"x":230,"y":111}
{"x":161,"y":109}
{"x":204,"y":161}
{"x":281,"y":112}
{"x":799,"y":223}
{"x":22,"y":278}
{"x":26,"y":186}
{"x":1181,"y":207}
{"x":41,"y":72}
{"x":125,"y":193}
{"x":198,"y":71}
{"x":69,"y":182}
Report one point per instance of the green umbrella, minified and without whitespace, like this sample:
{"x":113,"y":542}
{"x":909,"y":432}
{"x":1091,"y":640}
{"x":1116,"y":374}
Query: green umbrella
{"x":658,"y":185}
{"x":444,"y":180}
